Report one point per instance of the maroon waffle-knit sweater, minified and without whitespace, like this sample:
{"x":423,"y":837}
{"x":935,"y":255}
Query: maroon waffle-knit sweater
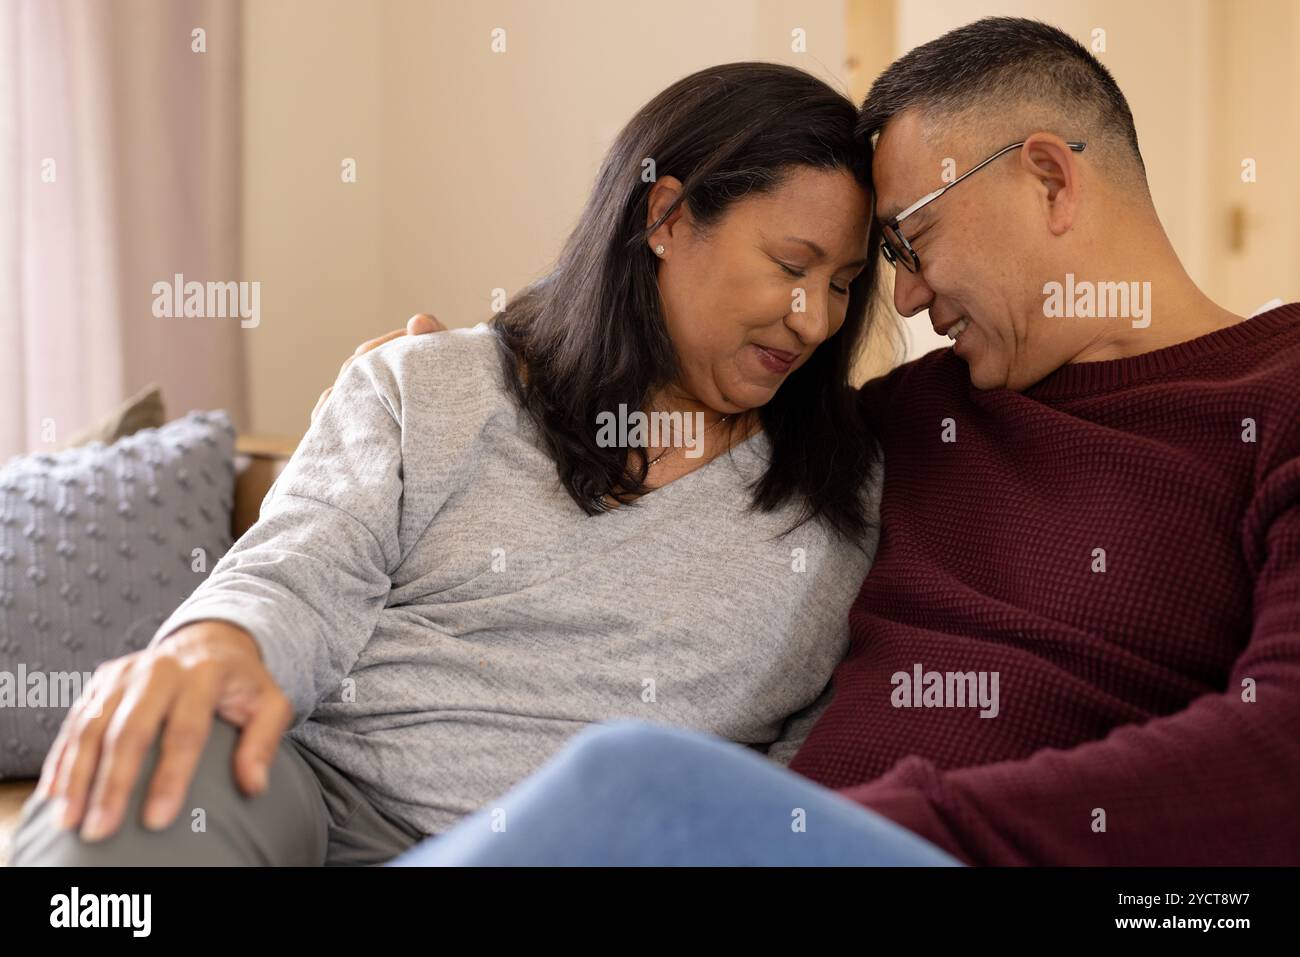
{"x":1162,"y":692}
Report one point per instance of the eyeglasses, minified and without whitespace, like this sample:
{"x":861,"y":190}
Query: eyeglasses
{"x":895,"y":245}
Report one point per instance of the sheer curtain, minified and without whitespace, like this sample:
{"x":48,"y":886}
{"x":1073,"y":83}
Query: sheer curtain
{"x":119,"y":145}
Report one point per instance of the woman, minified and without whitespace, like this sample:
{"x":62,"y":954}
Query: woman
{"x":434,"y":614}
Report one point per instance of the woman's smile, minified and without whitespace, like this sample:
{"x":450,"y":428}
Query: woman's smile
{"x":774,"y":361}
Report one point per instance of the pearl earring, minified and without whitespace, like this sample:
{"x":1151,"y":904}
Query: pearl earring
{"x":659,"y":250}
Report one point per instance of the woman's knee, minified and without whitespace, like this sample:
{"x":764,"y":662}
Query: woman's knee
{"x":211,"y":827}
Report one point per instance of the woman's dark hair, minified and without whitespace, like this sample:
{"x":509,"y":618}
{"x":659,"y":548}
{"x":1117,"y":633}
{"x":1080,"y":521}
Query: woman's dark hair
{"x":591,"y":334}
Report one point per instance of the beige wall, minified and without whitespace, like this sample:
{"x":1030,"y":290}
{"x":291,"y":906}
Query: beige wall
{"x":472,"y":166}
{"x":311,"y":98}
{"x":1260,"y":107}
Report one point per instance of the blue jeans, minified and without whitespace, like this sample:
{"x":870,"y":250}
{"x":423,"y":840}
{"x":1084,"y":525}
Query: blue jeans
{"x":630,"y":793}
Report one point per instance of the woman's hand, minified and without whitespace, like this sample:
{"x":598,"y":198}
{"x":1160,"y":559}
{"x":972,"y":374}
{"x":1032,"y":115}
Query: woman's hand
{"x":203,"y":669}
{"x":417,"y":325}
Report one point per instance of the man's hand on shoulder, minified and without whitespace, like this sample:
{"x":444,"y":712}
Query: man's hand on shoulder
{"x":419,"y":324}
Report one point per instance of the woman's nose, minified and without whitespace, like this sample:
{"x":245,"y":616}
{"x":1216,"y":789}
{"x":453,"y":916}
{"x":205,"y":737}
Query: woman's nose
{"x":812,"y":323}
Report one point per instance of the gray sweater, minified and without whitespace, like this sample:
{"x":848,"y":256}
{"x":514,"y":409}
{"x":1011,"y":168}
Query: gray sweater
{"x":443,"y":616}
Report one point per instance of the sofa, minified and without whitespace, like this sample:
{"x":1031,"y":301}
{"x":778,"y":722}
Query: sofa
{"x":258,"y":460}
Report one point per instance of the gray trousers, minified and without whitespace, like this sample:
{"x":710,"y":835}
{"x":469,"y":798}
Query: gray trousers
{"x":309,"y":815}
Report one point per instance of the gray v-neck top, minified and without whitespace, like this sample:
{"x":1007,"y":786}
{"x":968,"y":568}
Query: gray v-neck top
{"x":443,"y":616}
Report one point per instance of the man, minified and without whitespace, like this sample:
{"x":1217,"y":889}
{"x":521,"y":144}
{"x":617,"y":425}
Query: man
{"x":1080,"y":640}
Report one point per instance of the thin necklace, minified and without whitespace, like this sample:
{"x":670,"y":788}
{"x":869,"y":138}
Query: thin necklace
{"x":600,"y":497}
{"x":673,"y":448}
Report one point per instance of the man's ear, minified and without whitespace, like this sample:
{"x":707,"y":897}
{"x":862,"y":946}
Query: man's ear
{"x":662,"y":195}
{"x":1047,"y":158}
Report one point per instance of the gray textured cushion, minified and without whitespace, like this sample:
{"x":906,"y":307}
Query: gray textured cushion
{"x":97,"y":547}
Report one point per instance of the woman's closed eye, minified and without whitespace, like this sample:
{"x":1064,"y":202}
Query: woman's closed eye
{"x":800,"y":274}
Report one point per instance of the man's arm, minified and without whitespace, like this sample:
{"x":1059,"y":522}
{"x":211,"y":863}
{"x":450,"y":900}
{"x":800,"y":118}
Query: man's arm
{"x":1217,"y":783}
{"x":419,"y":324}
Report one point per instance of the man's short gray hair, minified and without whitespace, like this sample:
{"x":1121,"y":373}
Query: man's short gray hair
{"x":1012,"y":77}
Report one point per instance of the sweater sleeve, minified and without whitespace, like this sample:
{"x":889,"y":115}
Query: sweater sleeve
{"x":309,"y":579}
{"x":1213,"y":784}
